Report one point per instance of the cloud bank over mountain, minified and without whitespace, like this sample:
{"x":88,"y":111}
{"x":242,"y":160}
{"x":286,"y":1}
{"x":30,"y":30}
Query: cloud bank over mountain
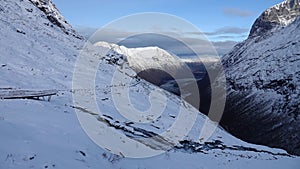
{"x":223,"y":39}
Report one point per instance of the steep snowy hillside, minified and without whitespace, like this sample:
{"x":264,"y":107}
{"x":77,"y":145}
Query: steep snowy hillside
{"x":54,"y":16}
{"x":263,"y":73}
{"x":36,"y":54}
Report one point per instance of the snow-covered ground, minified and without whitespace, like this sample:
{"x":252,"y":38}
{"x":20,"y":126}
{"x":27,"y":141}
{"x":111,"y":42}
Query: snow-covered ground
{"x":37,"y":54}
{"x":38,"y":134}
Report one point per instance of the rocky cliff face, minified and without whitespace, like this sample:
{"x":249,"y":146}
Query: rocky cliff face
{"x":276,"y":17}
{"x":54,"y":16}
{"x":263,"y":75}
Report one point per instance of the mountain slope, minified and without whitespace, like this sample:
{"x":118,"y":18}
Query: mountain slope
{"x":263,"y":74}
{"x":54,"y":16}
{"x":39,"y":134}
{"x":157,"y":65}
{"x":276,"y":17}
{"x":185,"y":77}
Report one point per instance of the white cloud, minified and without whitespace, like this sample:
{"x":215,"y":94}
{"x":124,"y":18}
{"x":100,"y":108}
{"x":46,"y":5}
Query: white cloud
{"x":169,"y":43}
{"x":236,"y":12}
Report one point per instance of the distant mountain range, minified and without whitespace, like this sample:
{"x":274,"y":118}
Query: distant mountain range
{"x":145,"y":40}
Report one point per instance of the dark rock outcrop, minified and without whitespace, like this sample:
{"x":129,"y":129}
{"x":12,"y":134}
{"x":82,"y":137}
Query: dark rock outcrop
{"x":54,"y":16}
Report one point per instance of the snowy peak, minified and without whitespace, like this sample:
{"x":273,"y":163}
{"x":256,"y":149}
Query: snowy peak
{"x":55,"y":17}
{"x":145,"y":58}
{"x":277,"y":16}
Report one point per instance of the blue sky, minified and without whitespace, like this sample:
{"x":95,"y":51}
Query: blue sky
{"x":224,"y":22}
{"x":208,"y":15}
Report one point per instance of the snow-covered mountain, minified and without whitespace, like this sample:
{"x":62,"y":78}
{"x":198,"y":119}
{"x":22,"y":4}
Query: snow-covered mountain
{"x":141,"y":59}
{"x":37,"y":54}
{"x":180,"y":76}
{"x":276,"y":17}
{"x":263,"y":74}
{"x":157,"y":65}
